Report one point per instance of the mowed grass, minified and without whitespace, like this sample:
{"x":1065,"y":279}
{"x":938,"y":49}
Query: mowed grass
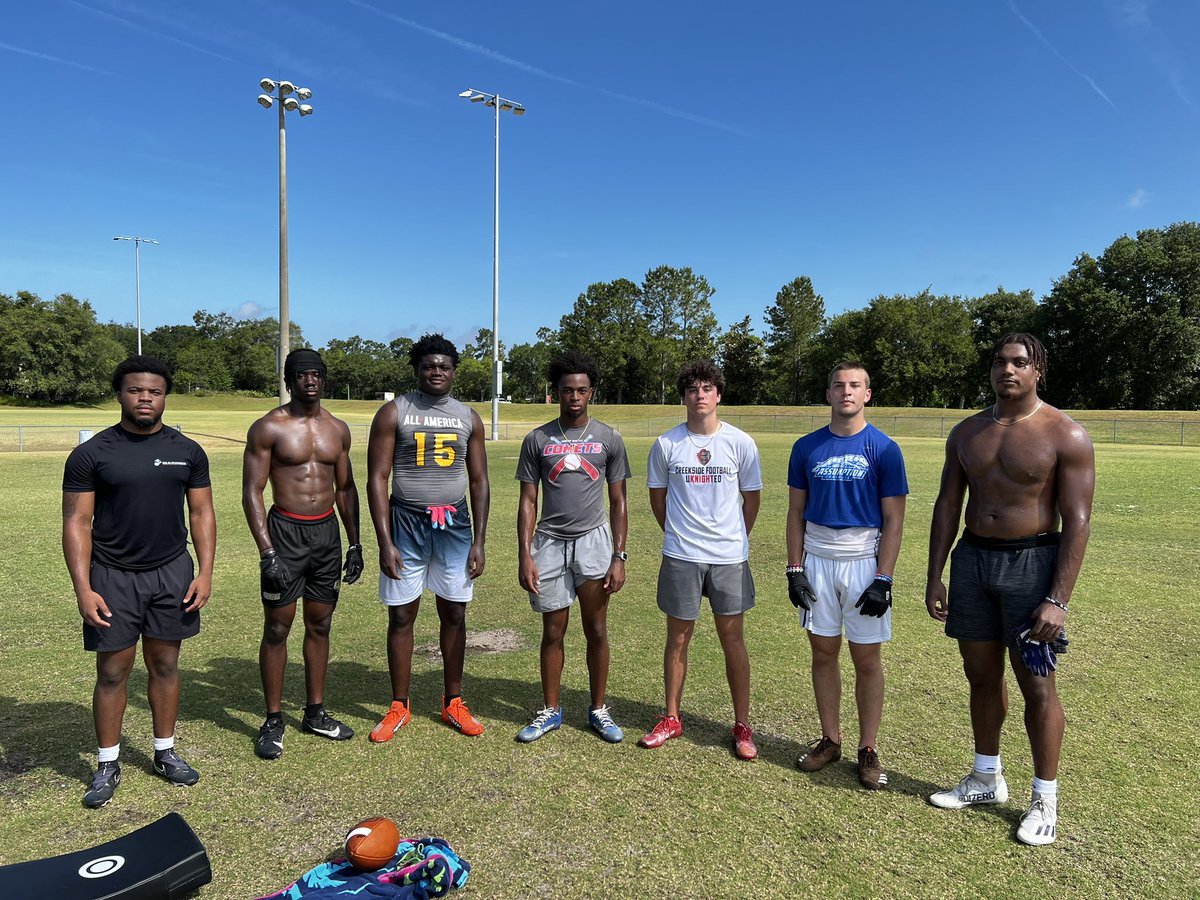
{"x":571,"y":816}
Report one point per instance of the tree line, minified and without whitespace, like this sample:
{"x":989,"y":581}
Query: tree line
{"x":1122,"y":331}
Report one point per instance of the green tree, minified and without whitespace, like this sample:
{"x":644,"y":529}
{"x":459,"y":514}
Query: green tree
{"x":473,"y":379}
{"x":609,"y":324}
{"x":676,"y":304}
{"x":793,"y":321}
{"x":744,"y":360}
{"x":525,"y":372}
{"x":995,"y":315}
{"x":201,"y":366}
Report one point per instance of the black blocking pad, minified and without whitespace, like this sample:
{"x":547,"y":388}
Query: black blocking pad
{"x":160,"y":861}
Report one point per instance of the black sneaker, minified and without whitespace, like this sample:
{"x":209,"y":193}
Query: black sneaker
{"x":104,"y":785}
{"x":171,"y":766}
{"x":269,"y":744}
{"x":327,"y":726}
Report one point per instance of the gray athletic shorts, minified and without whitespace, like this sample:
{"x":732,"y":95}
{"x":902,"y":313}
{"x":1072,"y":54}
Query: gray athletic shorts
{"x":564,"y":565}
{"x":996,"y":584}
{"x":729,"y":588}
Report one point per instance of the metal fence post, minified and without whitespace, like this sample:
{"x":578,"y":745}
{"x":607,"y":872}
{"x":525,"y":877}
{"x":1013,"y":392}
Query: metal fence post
{"x":1114,"y":431}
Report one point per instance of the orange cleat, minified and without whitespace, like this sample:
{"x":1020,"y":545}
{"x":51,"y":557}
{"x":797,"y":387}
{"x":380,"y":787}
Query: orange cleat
{"x":397,"y":717}
{"x":458,"y":717}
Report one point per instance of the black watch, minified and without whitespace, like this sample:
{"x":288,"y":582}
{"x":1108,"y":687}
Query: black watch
{"x":621,"y":555}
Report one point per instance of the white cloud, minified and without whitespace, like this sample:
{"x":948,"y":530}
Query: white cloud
{"x":248,"y":310}
{"x":1138,"y":199}
{"x":1041,"y":37}
{"x":54,"y":59}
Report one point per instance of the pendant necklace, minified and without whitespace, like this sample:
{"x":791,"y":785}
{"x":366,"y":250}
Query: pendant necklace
{"x":1015,"y":421}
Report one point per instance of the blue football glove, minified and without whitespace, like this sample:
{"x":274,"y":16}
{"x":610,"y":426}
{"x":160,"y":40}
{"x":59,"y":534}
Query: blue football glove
{"x":1040,"y":658}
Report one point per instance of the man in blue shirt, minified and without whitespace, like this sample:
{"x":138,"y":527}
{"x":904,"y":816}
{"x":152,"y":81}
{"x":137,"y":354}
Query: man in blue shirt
{"x":847,"y":486}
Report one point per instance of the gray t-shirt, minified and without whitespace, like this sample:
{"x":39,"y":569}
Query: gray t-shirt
{"x":573,"y":473}
{"x":429,"y":464}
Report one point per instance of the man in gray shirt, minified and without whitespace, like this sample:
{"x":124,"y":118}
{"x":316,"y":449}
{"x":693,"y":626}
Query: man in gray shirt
{"x":574,"y":551}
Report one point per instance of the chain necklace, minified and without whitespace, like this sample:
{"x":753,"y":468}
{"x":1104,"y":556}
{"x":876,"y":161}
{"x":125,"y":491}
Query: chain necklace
{"x":582,"y":429}
{"x":692,"y":438}
{"x":1015,"y":421}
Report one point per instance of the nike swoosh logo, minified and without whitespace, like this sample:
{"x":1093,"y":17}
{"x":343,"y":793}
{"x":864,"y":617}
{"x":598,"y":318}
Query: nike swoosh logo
{"x":328,"y":732}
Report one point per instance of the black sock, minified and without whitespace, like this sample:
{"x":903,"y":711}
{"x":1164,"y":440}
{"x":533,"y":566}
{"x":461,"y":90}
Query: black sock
{"x":450,"y":698}
{"x":273,"y":716}
{"x":312,"y":709}
{"x":403,"y":700}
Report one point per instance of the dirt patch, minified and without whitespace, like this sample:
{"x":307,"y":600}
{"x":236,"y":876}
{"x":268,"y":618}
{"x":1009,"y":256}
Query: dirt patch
{"x":499,"y":641}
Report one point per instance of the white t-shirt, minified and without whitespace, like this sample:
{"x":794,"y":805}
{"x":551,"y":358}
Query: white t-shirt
{"x":704,"y":476}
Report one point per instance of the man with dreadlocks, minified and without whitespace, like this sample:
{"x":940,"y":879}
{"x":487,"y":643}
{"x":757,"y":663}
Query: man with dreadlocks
{"x":431,"y":446}
{"x":1029,"y":474}
{"x":305,"y":453}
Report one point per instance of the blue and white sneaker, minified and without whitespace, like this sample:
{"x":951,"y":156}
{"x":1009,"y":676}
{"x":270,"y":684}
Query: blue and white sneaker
{"x":547,"y":719}
{"x":602,"y":723}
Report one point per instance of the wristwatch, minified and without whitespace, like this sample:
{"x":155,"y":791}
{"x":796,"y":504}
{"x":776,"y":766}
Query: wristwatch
{"x":621,"y":555}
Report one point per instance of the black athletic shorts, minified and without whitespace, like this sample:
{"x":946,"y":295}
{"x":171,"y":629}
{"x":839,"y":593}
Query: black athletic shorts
{"x":312,"y":551}
{"x":997,"y":583}
{"x":143,"y":604}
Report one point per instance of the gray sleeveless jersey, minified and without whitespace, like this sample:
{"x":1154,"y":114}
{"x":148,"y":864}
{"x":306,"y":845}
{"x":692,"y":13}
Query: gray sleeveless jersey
{"x":429,"y":466}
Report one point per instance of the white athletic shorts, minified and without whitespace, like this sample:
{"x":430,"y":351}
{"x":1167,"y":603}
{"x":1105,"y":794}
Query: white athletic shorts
{"x":838,"y":583}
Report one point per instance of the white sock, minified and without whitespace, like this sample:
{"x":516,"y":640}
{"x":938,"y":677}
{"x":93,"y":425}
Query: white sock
{"x":987,"y":765}
{"x":164,"y":743}
{"x":1047,"y":790}
{"x":109,"y":754}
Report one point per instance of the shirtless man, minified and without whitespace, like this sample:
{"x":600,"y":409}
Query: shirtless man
{"x":305,"y":452}
{"x":1029,"y":473}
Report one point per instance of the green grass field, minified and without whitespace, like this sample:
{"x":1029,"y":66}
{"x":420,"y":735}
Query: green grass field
{"x":571,"y":816}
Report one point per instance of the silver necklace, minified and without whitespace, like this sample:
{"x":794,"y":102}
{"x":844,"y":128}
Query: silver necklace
{"x":692,"y":438}
{"x":1015,"y":421}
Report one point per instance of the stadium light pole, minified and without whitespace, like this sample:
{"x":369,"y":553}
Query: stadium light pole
{"x":517,"y":109}
{"x":282,"y":92}
{"x":137,"y":278}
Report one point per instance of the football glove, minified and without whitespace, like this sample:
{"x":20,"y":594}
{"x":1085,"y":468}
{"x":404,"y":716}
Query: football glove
{"x":876,"y":599}
{"x":1040,"y":658}
{"x":275,"y":574}
{"x":800,"y":590}
{"x":354,"y":563}
{"x":441,"y":516}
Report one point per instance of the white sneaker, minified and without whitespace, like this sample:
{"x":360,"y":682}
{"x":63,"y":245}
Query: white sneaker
{"x":1039,"y":825}
{"x":976,"y":789}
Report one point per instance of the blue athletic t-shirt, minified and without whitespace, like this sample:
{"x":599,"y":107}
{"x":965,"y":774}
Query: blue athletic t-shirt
{"x":846,"y":477}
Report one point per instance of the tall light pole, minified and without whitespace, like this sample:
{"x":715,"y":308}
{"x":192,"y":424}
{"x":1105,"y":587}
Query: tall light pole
{"x":283,"y":91}
{"x":517,"y":109}
{"x":137,"y":279}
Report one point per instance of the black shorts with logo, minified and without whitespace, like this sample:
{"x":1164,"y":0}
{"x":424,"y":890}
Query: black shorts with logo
{"x":312,"y":551}
{"x":143,"y":604}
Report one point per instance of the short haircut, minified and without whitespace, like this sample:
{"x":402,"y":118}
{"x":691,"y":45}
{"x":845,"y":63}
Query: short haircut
{"x":430,"y":344}
{"x":151,"y":365}
{"x":848,"y":364}
{"x":1037,"y":353}
{"x":572,"y":362}
{"x":700,"y":370}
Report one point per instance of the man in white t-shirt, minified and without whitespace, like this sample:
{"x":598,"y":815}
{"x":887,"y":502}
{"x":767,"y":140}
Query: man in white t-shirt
{"x":705,"y":486}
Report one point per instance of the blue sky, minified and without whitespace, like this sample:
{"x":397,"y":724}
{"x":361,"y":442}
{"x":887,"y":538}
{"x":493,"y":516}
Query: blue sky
{"x":878,"y":147}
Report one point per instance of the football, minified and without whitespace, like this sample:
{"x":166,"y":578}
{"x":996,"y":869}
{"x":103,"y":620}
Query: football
{"x":372,"y":843}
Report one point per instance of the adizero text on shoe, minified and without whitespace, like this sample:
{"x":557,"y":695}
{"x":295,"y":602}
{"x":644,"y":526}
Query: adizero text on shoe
{"x":548,"y":719}
{"x":1039,"y":825}
{"x":820,"y":754}
{"x":171,"y":766}
{"x":975,"y":789}
{"x":602,"y":723}
{"x":269,"y":743}
{"x":396,"y":718}
{"x":665,"y":729}
{"x":870,"y":772}
{"x":327,"y":727}
{"x":104,"y":785}
{"x":457,"y":716}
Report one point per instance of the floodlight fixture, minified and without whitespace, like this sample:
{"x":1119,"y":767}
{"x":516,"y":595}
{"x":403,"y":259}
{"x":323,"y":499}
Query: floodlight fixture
{"x":285,"y":88}
{"x":268,"y":85}
{"x":291,"y":104}
{"x":306,"y":109}
{"x":467,"y":93}
{"x":519,"y":111}
{"x":304,"y":93}
{"x":266,"y":101}
{"x":137,"y":275}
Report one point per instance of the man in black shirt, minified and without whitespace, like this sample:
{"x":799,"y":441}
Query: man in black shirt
{"x":125,"y":543}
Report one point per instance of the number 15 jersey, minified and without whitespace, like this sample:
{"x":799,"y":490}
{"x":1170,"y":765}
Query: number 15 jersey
{"x":429,"y":465}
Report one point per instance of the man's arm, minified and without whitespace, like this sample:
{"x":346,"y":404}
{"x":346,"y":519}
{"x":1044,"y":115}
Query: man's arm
{"x":256,"y":467}
{"x":527,"y":573}
{"x":891,"y":534}
{"x":1076,"y":486}
{"x":797,"y":502}
{"x":751,"y":501}
{"x":202,"y":520}
{"x":381,"y":446}
{"x":618,"y":522}
{"x":658,"y":505}
{"x":481,"y":494}
{"x":346,"y":497}
{"x":78,"y":509}
{"x":947,"y":511}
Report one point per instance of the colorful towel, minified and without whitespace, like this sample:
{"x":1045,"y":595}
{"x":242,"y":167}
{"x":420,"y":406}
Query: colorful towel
{"x":422,"y":868}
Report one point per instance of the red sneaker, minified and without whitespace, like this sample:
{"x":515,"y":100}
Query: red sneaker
{"x":743,"y":742}
{"x":396,"y":718}
{"x":665,"y":729}
{"x":458,"y":717}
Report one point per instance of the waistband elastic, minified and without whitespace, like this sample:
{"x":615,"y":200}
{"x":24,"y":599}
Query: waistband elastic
{"x":1045,"y":539}
{"x":297,"y":517}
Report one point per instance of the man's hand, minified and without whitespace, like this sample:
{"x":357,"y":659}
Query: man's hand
{"x":1040,"y":657}
{"x":390,"y":563}
{"x":800,"y":590}
{"x":276,"y":576}
{"x":93,"y":609}
{"x":615,"y":579}
{"x":935,"y":600}
{"x":198,"y":593}
{"x":354,"y":563}
{"x":528,"y":576}
{"x":1047,"y":622}
{"x":876,"y":599}
{"x":475,"y":561}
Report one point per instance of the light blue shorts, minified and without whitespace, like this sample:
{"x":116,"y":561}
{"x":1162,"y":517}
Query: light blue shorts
{"x":433,"y":558}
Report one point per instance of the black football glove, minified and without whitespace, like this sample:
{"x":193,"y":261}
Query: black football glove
{"x":800,"y":590}
{"x":876,"y":599}
{"x":354,"y":563}
{"x":275,"y":575}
